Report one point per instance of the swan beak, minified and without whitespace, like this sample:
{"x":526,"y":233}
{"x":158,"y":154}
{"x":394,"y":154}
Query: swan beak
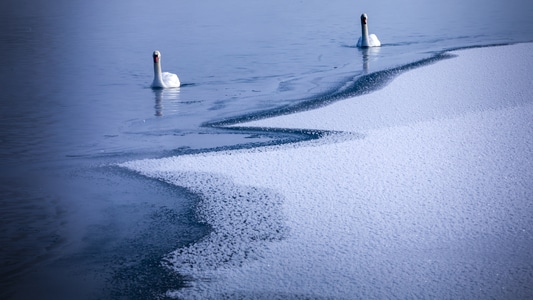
{"x":156,"y":59}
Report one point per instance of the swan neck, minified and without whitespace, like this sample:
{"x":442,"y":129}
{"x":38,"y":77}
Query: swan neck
{"x":158,"y":75}
{"x":364,"y":36}
{"x":365,"y":31}
{"x":157,"y":68}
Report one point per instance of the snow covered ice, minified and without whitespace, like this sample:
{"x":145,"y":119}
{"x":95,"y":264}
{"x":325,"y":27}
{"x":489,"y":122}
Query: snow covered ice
{"x":425,"y":191}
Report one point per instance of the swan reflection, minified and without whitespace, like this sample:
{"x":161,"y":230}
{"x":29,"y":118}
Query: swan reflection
{"x":167,"y":96}
{"x":369,"y":54}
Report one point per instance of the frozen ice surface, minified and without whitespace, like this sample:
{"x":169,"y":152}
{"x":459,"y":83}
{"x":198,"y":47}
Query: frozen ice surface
{"x":427,"y":193}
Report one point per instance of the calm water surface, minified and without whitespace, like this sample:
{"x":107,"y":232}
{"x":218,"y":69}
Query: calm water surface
{"x":75,"y":98}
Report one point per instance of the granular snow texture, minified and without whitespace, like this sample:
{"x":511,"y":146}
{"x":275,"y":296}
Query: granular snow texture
{"x":425,"y":192}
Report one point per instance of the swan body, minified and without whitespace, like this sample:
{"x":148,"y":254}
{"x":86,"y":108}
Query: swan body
{"x":367,"y":40}
{"x":163,"y":79}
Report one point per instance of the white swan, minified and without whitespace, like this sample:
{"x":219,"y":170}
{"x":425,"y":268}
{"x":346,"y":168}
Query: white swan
{"x":367,"y":40}
{"x":163,"y":79}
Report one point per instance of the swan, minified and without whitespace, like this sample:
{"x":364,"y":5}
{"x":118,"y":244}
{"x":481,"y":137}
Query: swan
{"x":163,"y":79}
{"x":367,"y":40}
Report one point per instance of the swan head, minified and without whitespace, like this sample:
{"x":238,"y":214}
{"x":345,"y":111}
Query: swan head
{"x":157,"y":56}
{"x":364,"y":19}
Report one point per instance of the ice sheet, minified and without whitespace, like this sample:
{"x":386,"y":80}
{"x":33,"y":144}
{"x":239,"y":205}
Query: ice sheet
{"x":426,"y":193}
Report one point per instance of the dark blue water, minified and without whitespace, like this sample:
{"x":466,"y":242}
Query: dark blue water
{"x":74,"y":89}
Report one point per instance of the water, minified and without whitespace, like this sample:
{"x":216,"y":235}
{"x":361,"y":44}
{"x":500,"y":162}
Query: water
{"x":75,"y":99}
